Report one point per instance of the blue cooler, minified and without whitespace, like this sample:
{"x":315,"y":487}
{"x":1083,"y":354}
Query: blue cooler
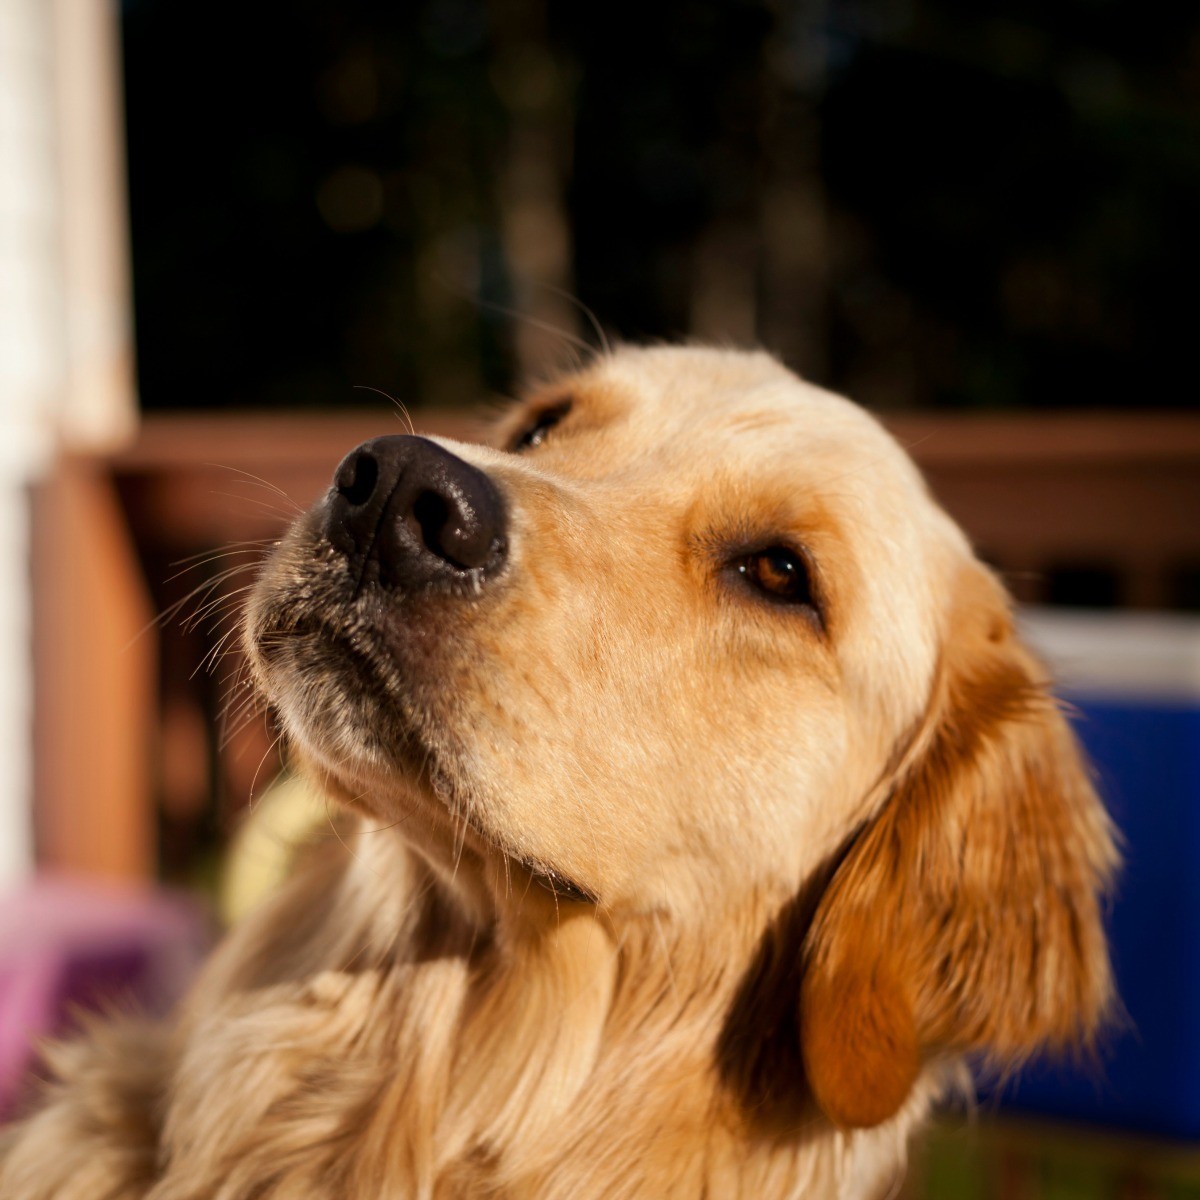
{"x":1135,"y":680}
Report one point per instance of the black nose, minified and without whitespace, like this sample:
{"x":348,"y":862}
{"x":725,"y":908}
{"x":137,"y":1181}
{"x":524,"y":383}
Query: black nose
{"x":407,"y":513}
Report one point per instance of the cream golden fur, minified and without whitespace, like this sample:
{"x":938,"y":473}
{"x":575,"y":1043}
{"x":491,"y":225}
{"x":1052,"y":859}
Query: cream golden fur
{"x":696,"y":836}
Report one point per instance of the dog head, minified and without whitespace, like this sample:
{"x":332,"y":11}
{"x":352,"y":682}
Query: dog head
{"x":691,"y":629}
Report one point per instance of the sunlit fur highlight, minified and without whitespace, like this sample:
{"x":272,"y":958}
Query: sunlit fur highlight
{"x":829,"y":858}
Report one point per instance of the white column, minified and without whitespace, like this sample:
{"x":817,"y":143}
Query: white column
{"x":65,"y":346}
{"x":97,"y":405}
{"x":31,"y":349}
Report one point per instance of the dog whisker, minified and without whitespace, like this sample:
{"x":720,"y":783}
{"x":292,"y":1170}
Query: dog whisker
{"x":249,"y":546}
{"x":592,"y":319}
{"x":569,"y":339}
{"x":235,"y":721}
{"x":258,"y":480}
{"x":401,"y":408}
{"x":267,"y":754}
{"x":267,"y":506}
{"x":203,"y":589}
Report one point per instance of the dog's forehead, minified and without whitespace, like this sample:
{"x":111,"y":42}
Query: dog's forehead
{"x":722,"y":406}
{"x":732,"y":426}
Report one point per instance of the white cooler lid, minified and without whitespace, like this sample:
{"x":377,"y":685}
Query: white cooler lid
{"x":1142,"y":655}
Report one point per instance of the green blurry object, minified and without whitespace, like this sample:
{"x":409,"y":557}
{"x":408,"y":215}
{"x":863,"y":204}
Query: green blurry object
{"x":993,"y":1159}
{"x":287,"y":816}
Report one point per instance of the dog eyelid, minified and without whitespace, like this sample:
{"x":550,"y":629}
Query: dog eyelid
{"x":779,"y":575}
{"x":535,"y":432}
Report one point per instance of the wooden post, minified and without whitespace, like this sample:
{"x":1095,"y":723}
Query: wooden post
{"x":94,"y":681}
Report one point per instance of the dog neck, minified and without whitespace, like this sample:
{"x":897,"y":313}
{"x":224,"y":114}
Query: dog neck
{"x":498,"y":1051}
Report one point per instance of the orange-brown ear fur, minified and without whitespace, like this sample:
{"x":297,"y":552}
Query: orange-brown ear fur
{"x":966,"y":916}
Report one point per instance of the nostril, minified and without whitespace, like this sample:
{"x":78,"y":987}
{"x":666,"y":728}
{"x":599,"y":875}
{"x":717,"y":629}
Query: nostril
{"x":430,"y":512}
{"x":357,"y":477}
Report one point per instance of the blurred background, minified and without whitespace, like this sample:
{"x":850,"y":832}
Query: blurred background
{"x":229,"y":237}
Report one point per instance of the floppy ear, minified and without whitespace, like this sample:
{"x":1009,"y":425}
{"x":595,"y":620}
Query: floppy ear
{"x":965,"y":917}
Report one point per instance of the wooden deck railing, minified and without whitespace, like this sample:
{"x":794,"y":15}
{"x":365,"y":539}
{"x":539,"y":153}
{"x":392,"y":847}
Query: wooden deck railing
{"x":124,"y":720}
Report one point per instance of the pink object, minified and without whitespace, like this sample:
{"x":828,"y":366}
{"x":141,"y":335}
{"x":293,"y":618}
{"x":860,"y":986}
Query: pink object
{"x":67,"y":945}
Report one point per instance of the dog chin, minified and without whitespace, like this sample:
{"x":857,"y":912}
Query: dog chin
{"x":338,"y":698}
{"x":339,"y":731}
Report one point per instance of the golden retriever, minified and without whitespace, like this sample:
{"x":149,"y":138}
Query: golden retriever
{"x":704,"y":817}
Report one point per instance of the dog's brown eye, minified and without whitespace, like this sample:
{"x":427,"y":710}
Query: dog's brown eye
{"x":535,"y":434}
{"x":779,"y":574}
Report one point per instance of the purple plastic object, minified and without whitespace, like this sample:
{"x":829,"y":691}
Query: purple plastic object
{"x":67,"y":945}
